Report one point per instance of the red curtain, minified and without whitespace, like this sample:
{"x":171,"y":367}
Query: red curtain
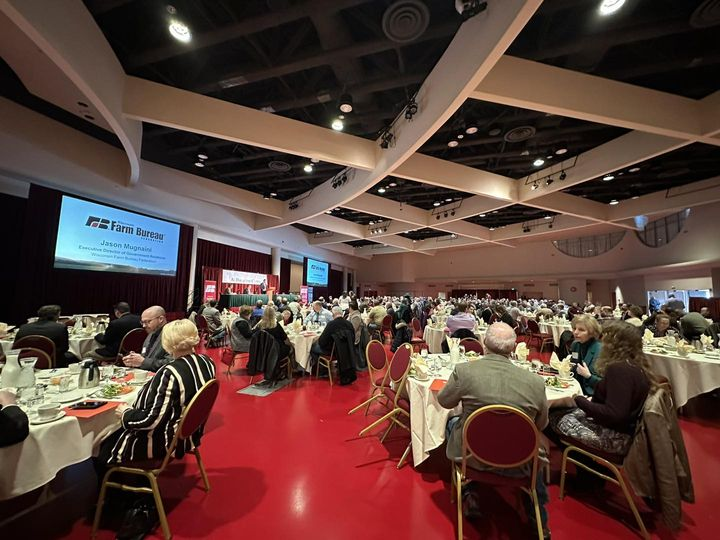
{"x":212,"y":254}
{"x":713,"y":304}
{"x":79,"y":291}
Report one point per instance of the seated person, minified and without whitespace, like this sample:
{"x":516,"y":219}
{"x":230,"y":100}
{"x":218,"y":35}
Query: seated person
{"x":152,"y":356}
{"x":375,"y":317}
{"x":148,"y":425}
{"x":607,"y":423}
{"x":228,"y":290}
{"x":215,"y":325}
{"x":258,"y":311}
{"x":634,"y":316}
{"x":124,"y":322}
{"x":494,"y":380}
{"x":693,"y":325}
{"x":14,"y":426}
{"x":286,"y":316}
{"x":661,"y":326}
{"x":585,"y":351}
{"x":240,"y":331}
{"x":462,"y":319}
{"x":403,"y":334}
{"x":268,"y":322}
{"x":319,"y":315}
{"x":324,"y":344}
{"x":705,"y":312}
{"x":47,"y":326}
{"x":504,"y":316}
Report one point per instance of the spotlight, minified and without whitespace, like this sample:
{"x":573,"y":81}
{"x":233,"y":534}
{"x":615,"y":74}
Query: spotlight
{"x":549,"y":181}
{"x":538,"y":162}
{"x":437,"y":217}
{"x":293,"y":205}
{"x":563,"y":175}
{"x":179,"y":31}
{"x":534,"y":186}
{"x":436,"y":203}
{"x":469,"y":8}
{"x":346,"y":103}
{"x":445,"y":214}
{"x":608,"y":7}
{"x":411,"y":109}
{"x":337,"y":124}
{"x":453,"y":235}
{"x":550,"y":225}
{"x":608,"y":177}
{"x":452,"y":213}
{"x":386,"y":138}
{"x":452,"y":143}
{"x":561,"y":151}
{"x":308,"y":168}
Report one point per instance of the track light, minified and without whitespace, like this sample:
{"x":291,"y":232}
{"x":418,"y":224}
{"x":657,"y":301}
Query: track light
{"x":534,"y":186}
{"x":445,"y":214}
{"x":452,"y":213}
{"x":293,"y":205}
{"x":386,"y":138}
{"x":437,"y":217}
{"x":411,"y":109}
{"x":346,"y":103}
{"x":549,"y":181}
{"x":563,"y":175}
{"x":469,"y":8}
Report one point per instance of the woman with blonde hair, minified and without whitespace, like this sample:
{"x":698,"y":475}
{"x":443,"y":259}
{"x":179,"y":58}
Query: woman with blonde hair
{"x":585,"y":350}
{"x":148,"y":425}
{"x":269,"y":323}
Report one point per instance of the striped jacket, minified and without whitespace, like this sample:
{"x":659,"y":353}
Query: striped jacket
{"x":149,"y":425}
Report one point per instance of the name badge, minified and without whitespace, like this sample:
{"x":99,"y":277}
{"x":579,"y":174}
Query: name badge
{"x":575,"y":355}
{"x":145,"y":348}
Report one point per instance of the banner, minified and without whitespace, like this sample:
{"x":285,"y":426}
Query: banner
{"x":246,"y":278}
{"x":304,"y":294}
{"x":210,"y":290}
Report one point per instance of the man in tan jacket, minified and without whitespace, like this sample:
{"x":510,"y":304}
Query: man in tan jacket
{"x":494,"y":380}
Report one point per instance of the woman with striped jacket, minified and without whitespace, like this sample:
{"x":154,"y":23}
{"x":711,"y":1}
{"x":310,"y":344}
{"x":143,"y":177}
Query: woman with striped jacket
{"x":149,"y":424}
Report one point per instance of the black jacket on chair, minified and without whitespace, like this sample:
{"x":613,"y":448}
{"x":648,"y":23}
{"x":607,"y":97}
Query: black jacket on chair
{"x":114,"y":333}
{"x":263,"y":355}
{"x":344,"y":341}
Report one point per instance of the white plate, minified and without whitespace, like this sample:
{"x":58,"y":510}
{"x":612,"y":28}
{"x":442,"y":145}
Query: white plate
{"x":37,"y":421}
{"x":66,"y":397}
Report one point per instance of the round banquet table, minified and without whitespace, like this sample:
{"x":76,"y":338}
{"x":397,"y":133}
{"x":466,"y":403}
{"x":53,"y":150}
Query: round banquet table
{"x":554,"y":328}
{"x":689,"y":376}
{"x":435,"y":336}
{"x":80,"y":346}
{"x":53,"y":446}
{"x":428,"y":418}
{"x":302,"y":343}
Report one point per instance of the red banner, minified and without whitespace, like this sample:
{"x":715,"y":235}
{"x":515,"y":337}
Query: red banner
{"x":210,"y":290}
{"x":304,"y":294}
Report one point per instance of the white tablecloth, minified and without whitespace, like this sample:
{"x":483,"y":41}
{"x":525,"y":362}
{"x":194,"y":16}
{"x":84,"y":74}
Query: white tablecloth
{"x":556,"y":329}
{"x":53,"y":446}
{"x":435,"y":336}
{"x":79,"y":346}
{"x":689,"y":376}
{"x":302,"y":345}
{"x":428,"y":418}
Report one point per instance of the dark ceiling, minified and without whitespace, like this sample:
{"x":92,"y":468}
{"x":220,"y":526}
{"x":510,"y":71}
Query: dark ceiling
{"x":296,"y":57}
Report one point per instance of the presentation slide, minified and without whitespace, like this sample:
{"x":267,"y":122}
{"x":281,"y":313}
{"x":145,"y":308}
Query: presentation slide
{"x":96,"y":237}
{"x":317,"y":273}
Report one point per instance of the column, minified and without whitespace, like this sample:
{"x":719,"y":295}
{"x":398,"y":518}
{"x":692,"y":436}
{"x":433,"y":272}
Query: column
{"x":275,"y":261}
{"x":345,"y":278}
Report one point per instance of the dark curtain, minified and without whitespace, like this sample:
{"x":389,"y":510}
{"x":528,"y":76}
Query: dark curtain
{"x":494,"y":293}
{"x":713,"y":304}
{"x":81,"y":291}
{"x":212,"y":254}
{"x":284,"y":275}
{"x":335,"y":283}
{"x":12,"y":222}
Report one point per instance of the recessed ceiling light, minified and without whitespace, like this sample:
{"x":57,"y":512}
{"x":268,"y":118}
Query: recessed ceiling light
{"x":494,"y":132}
{"x":346,"y":103}
{"x":308,"y":168}
{"x":202,"y":156}
{"x":414,"y":241}
{"x":548,"y":157}
{"x":436,"y":203}
{"x":448,"y":200}
{"x":494,"y":212}
{"x":314,"y":160}
{"x":371,"y":223}
{"x":482,"y":215}
{"x":608,"y":177}
{"x":381,"y":190}
{"x":199,"y":164}
{"x":471,"y":130}
{"x":634,"y":169}
{"x":548,"y":217}
{"x":614,"y":202}
{"x":461,"y":136}
{"x":266,"y":196}
{"x":608,"y":7}
{"x":453,"y":143}
{"x":561,"y":151}
{"x":328,"y":211}
{"x":392,"y":184}
{"x":337,"y":124}
{"x":538,"y":162}
{"x":273,"y":194}
{"x":179,"y":31}
{"x":492,"y":228}
{"x":635,"y":197}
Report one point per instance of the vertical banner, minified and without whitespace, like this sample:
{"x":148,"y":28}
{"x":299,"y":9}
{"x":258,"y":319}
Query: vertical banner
{"x":304,"y":294}
{"x":210,"y":290}
{"x":310,"y":294}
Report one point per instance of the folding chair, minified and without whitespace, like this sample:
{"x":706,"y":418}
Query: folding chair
{"x":378,"y":374}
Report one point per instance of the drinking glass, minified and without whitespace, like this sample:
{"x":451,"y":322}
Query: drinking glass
{"x":107,"y":372}
{"x":423,"y":352}
{"x":64,"y":384}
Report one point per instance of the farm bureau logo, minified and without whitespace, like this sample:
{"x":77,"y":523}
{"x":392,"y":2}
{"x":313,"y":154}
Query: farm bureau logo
{"x":95,"y":222}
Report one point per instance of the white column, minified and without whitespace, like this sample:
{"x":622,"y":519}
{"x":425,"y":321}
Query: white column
{"x":275,"y":258}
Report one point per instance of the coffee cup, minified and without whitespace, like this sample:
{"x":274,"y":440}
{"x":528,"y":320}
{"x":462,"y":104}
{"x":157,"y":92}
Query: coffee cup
{"x":74,"y":368}
{"x":140,"y":375}
{"x":48,"y":410}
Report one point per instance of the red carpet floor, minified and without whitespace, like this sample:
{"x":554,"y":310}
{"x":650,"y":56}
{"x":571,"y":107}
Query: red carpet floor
{"x":291,"y":466}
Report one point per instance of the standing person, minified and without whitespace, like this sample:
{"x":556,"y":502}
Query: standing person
{"x":152,"y":356}
{"x":112,"y":337}
{"x":47,"y":326}
{"x":494,"y":380}
{"x":585,"y":351}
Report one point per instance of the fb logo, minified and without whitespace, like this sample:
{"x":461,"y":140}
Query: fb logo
{"x":97,"y":223}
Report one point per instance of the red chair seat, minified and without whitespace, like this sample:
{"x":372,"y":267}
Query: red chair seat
{"x":402,"y":402}
{"x":379,"y":381}
{"x":417,"y":340}
{"x":494,"y":479}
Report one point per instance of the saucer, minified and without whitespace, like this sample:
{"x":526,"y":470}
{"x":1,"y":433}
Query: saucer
{"x":37,"y":421}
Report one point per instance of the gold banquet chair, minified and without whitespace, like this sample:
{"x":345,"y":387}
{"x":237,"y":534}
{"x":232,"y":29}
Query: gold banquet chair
{"x":194,"y":415}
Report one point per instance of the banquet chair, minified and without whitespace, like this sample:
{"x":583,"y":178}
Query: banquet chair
{"x":397,"y":396}
{"x":131,"y":342}
{"x":417,"y":340}
{"x":44,"y":360}
{"x":387,"y":327}
{"x":42,"y":343}
{"x":378,"y":374}
{"x":229,"y":357}
{"x":326,"y":360}
{"x":535,"y":334}
{"x":202,"y":326}
{"x":472,"y":344}
{"x":500,"y":437}
{"x":193,"y":417}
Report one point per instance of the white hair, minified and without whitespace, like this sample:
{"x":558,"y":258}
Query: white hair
{"x":500,"y":339}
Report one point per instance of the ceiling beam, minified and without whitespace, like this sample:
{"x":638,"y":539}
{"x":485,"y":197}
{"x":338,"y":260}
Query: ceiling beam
{"x":337,"y":225}
{"x":329,"y":238}
{"x":540,"y":228}
{"x":572,"y":205}
{"x":448,"y":85}
{"x":532,"y":85}
{"x":163,"y":105}
{"x":389,"y":209}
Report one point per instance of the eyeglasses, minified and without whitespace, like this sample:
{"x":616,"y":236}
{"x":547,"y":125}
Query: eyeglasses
{"x":145,"y":323}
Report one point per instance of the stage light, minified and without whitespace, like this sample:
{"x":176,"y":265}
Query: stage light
{"x":549,"y":181}
{"x":411,"y":109}
{"x":452,"y":213}
{"x":534,"y":186}
{"x":386,"y":138}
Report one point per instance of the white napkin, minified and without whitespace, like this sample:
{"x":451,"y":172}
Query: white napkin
{"x":647,"y":335}
{"x":563,"y":367}
{"x":706,"y":340}
{"x":554,"y":359}
{"x":521,"y":351}
{"x":421,"y":368}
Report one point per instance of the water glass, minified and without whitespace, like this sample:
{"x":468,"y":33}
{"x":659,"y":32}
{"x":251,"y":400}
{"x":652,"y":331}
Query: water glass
{"x":64,"y":384}
{"x":423,"y":352}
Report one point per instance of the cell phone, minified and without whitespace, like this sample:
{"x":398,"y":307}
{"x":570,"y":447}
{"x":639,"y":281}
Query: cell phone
{"x":88,"y":405}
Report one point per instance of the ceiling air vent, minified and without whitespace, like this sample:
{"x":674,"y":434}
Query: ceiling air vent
{"x":405,"y":20}
{"x":520,"y":133}
{"x":279,"y":166}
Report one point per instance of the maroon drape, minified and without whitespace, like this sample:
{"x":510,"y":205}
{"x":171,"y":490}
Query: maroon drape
{"x":713,"y":304}
{"x":81,"y":291}
{"x":494,"y":293}
{"x":212,"y":254}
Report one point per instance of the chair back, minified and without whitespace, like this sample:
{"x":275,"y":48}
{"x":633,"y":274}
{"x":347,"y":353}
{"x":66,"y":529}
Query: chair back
{"x":198,"y":410}
{"x":376,"y":355}
{"x":44,"y":361}
{"x":472,"y":344}
{"x":132,"y":341}
{"x":42,"y":343}
{"x":400,"y":363}
{"x":387,"y":322}
{"x":533,"y":326}
{"x":417,"y":328}
{"x":201,"y":323}
{"x":502,"y":437}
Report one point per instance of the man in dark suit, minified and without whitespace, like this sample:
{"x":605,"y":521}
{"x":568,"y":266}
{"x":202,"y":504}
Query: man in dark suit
{"x":13,"y":421}
{"x":47,"y":326}
{"x":116,"y":330}
{"x":152,"y":356}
